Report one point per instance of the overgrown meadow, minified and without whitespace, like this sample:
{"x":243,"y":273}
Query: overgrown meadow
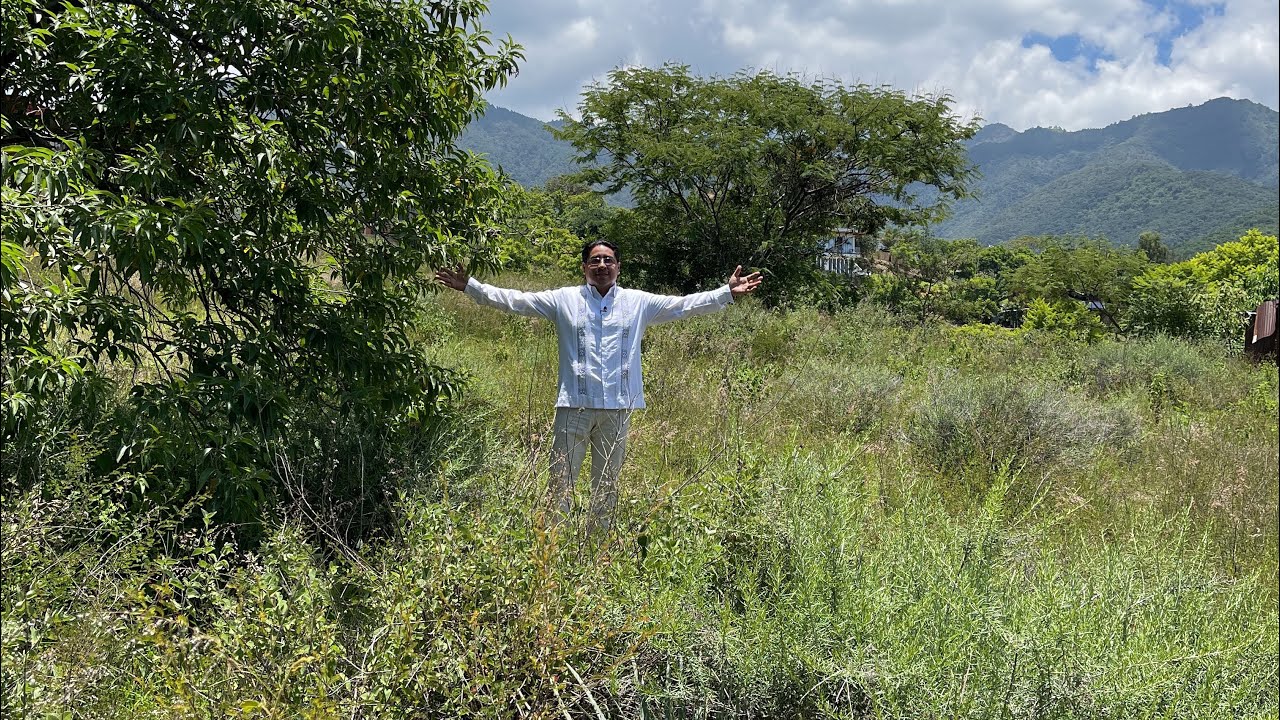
{"x":822,"y":515}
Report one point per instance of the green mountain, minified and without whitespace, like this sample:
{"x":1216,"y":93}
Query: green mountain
{"x":1197,"y":175}
{"x":1193,"y":174}
{"x":520,"y":146}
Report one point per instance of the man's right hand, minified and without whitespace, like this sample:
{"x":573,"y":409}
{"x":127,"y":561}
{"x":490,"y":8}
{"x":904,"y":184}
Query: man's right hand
{"x":454,"y":277}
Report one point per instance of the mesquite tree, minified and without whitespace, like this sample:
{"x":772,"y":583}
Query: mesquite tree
{"x":757,"y":168}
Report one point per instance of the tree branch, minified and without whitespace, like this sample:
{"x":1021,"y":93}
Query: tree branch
{"x":173,"y":27}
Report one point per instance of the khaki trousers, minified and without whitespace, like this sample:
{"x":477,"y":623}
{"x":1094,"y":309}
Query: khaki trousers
{"x":606,"y":433}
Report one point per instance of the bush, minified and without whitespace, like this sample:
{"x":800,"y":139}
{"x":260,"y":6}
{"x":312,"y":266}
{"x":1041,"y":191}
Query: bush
{"x":1064,"y":318}
{"x":1204,"y":297}
{"x":461,"y":617}
{"x":1165,"y":302}
{"x":1173,"y":373}
{"x":984,"y":424}
{"x":824,"y":600}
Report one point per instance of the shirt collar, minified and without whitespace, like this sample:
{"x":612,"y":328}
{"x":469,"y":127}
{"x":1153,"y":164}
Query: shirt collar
{"x":594,"y":294}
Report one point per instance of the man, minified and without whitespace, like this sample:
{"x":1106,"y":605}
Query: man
{"x":599,"y":326}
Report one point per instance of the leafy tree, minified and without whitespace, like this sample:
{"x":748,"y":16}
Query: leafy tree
{"x":1204,"y":296}
{"x":548,"y":226}
{"x":1002,"y":262}
{"x":757,"y":168}
{"x":899,"y":293}
{"x":237,"y":200}
{"x":1251,"y":262}
{"x":1165,"y":301}
{"x":1063,"y":317}
{"x":583,"y":211}
{"x":1078,"y":269}
{"x":1150,"y":244}
{"x":962,"y":301}
{"x":957,"y":280}
{"x":930,"y":258}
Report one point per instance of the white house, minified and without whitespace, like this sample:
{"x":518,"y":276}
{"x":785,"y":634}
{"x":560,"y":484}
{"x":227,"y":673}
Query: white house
{"x":839,"y":251}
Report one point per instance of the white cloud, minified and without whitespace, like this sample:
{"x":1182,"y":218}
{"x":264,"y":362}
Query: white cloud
{"x":1238,"y":49}
{"x":971,"y":50}
{"x":740,"y":36}
{"x":581,"y":33}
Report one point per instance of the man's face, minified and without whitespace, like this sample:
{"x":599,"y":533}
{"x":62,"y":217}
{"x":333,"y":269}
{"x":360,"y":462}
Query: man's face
{"x":601,"y":268}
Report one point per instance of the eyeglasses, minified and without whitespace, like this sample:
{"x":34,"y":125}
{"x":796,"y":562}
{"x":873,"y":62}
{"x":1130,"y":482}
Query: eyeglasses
{"x":601,"y":260}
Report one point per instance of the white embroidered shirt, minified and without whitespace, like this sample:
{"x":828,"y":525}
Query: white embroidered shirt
{"x":599,"y":337}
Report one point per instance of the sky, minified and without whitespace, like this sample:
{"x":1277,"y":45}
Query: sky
{"x":1071,"y":64}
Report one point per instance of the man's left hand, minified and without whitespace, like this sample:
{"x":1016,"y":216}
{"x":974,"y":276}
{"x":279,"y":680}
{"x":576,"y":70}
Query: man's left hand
{"x":740,"y":284}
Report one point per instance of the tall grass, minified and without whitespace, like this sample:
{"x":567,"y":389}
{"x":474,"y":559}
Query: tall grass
{"x":821,"y":516}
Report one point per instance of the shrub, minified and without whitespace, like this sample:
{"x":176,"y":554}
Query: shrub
{"x":1181,"y":372}
{"x":823,"y":600}
{"x":984,"y":424}
{"x":1065,"y":318}
{"x":1204,"y":296}
{"x":463,"y":616}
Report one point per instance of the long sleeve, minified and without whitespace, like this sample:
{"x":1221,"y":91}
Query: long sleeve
{"x":665,"y":308}
{"x":531,"y":304}
{"x":598,"y":337}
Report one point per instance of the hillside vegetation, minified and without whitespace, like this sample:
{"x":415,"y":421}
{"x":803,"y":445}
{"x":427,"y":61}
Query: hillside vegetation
{"x":822,"y":516}
{"x":519,"y":146}
{"x":1120,"y":200}
{"x":1190,"y":174}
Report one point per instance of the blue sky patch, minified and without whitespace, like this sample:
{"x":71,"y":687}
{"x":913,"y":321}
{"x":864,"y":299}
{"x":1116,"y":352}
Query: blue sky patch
{"x":1067,"y":48}
{"x":1187,"y":17}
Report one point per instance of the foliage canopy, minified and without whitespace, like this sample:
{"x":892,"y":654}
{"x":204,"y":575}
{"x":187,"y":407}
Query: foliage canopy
{"x":548,"y":226}
{"x":1206,"y":295}
{"x":237,"y":199}
{"x":755,"y":169}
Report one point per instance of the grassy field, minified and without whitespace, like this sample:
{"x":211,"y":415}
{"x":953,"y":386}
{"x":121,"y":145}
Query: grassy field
{"x":821,"y":516}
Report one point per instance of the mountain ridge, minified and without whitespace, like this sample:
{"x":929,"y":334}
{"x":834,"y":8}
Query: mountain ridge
{"x":521,"y":146}
{"x":1192,"y":174}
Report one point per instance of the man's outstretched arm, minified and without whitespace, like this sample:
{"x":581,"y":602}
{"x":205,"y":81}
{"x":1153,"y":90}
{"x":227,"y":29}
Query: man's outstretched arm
{"x":665,"y":308}
{"x":533,"y":304}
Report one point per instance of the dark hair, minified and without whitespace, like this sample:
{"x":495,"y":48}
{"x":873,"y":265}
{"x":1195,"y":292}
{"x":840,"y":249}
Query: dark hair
{"x":586,"y":249}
